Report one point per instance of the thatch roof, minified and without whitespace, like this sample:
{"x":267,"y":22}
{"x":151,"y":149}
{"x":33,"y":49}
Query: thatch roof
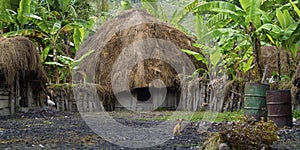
{"x":296,"y":79}
{"x":286,"y":58}
{"x":135,"y":48}
{"x":268,"y":52}
{"x":19,"y":57}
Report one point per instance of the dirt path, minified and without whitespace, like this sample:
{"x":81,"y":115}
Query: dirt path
{"x":45,"y":129}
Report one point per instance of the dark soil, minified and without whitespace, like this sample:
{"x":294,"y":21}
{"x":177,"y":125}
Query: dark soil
{"x":47,"y":129}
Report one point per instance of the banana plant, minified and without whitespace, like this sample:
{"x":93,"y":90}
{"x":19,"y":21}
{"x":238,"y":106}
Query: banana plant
{"x":210,"y":55}
{"x":285,"y":34}
{"x":10,"y":20}
{"x":66,"y":65}
{"x":157,"y":9}
{"x":11,"y":15}
{"x":54,"y":27}
{"x":24,"y":8}
{"x":125,"y":4}
{"x":51,"y":28}
{"x":239,"y":22}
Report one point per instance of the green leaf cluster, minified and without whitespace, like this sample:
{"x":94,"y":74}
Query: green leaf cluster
{"x":227,"y":24}
{"x":67,"y":64}
{"x":53,"y":24}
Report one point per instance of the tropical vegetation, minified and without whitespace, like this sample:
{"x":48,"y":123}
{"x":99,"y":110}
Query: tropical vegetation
{"x":230,"y":32}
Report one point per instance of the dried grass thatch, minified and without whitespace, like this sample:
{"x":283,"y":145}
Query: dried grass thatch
{"x":296,"y":79}
{"x":269,"y":56}
{"x":20,"y":58}
{"x":138,"y":47}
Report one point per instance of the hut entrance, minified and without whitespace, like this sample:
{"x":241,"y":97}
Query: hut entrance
{"x":2,"y":80}
{"x":23,"y":93}
{"x":142,"y":94}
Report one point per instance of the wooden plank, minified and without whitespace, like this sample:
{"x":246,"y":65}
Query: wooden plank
{"x":90,"y":104}
{"x":62,"y":104}
{"x":5,"y":112}
{"x":4,"y":103}
{"x":4,"y":97}
{"x":4,"y":92}
{"x":70,"y":108}
{"x":170,"y":100}
{"x":66,"y":102}
{"x":84,"y":101}
{"x":12,"y":100}
{"x":30,"y":99}
{"x":17,"y":93}
{"x":99,"y":106}
{"x":58,"y":106}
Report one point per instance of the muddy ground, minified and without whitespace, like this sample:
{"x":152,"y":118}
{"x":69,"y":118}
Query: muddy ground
{"x":48,"y":129}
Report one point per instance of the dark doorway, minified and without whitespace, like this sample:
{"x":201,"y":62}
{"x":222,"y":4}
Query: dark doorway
{"x":2,"y":79}
{"x":142,"y":94}
{"x":23,"y":92}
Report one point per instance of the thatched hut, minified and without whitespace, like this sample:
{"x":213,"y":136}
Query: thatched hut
{"x":286,"y":60}
{"x":138,"y":62}
{"x":22,"y":76}
{"x":296,"y":80}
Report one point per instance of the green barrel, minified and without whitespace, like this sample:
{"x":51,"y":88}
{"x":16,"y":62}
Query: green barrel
{"x":255,"y":100}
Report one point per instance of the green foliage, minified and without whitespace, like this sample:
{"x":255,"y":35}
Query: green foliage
{"x":24,"y":8}
{"x":219,"y":7}
{"x":288,"y":27}
{"x":296,"y":9}
{"x":178,"y":16}
{"x":200,"y":115}
{"x":67,"y":65}
{"x":228,"y":24}
{"x":198,"y":56}
{"x":85,"y":9}
{"x":296,"y":114}
{"x":154,"y":8}
{"x":125,"y":4}
{"x":283,"y":33}
{"x":175,"y":18}
{"x":253,"y":11}
{"x":53,"y":24}
{"x":5,"y":4}
{"x":60,"y":26}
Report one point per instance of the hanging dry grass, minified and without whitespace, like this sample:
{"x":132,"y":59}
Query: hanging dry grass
{"x":19,"y":57}
{"x":119,"y":38}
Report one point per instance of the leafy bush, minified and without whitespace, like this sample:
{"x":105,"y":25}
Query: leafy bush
{"x":249,"y":133}
{"x":246,"y":134}
{"x":296,"y":114}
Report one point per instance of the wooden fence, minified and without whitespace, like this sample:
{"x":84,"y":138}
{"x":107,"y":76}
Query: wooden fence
{"x":6,"y":103}
{"x":83,"y":98}
{"x":218,"y":95}
{"x":193,"y":94}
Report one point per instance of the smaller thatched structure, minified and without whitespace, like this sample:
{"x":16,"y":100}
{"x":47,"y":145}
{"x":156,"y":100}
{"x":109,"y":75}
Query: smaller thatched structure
{"x":269,"y":58}
{"x":22,"y":76}
{"x":136,"y":57}
{"x":296,"y":81}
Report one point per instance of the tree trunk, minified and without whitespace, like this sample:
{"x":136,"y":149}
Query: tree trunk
{"x":56,"y":74}
{"x":104,"y":6}
{"x":279,"y":64}
{"x":256,"y":49}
